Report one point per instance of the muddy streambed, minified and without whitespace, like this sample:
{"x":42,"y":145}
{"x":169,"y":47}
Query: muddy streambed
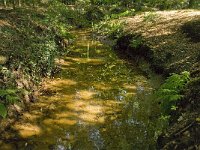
{"x":98,"y":101}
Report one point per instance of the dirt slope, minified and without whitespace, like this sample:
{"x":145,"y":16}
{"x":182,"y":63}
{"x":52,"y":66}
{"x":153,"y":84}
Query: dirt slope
{"x":172,"y":49}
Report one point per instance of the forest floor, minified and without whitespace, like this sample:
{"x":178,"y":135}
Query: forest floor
{"x":163,"y":34}
{"x":173,"y":51}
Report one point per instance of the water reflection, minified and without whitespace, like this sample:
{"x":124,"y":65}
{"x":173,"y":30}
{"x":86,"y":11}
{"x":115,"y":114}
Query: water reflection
{"x":100,"y":102}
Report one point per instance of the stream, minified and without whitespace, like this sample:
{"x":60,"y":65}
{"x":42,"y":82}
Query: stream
{"x":97,"y":102}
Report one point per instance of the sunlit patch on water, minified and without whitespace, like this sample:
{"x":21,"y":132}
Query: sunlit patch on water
{"x":27,"y":130}
{"x":98,"y":101}
{"x":84,"y":94}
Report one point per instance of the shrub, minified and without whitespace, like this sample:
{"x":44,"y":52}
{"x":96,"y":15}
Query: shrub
{"x":109,"y":29}
{"x":126,"y":13}
{"x":94,"y":14}
{"x":30,"y":48}
{"x":7,"y":97}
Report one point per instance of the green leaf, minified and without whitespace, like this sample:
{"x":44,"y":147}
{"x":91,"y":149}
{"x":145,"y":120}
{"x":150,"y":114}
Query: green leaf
{"x":3,"y":93}
{"x":174,"y":107}
{"x":3,"y":111}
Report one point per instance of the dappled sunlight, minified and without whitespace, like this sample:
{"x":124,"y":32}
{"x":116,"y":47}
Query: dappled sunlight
{"x":35,"y":112}
{"x":131,"y":87}
{"x":56,"y":83}
{"x":4,"y":23}
{"x":91,"y":118}
{"x":60,"y":121}
{"x":64,"y":114}
{"x":30,"y":116}
{"x":102,"y":86}
{"x":64,"y":63}
{"x":85,"y":101}
{"x":84,"y":94}
{"x":3,"y":59}
{"x":27,"y":130}
{"x":165,"y":22}
{"x":166,"y":38}
{"x":111,"y":107}
{"x":86,"y":60}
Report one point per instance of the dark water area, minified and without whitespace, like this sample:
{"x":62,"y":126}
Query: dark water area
{"x":97,"y":102}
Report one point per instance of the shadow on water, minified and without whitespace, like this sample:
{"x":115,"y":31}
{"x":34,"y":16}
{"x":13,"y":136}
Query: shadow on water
{"x":98,"y":101}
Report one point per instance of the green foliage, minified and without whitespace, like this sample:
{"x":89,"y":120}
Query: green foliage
{"x":63,"y":32}
{"x":31,"y":48}
{"x":126,"y":13}
{"x":169,"y":4}
{"x":115,"y":9}
{"x":7,"y":97}
{"x":136,"y":42}
{"x":110,"y":29}
{"x":94,"y":14}
{"x":150,"y":17}
{"x":170,"y":92}
{"x":3,"y":111}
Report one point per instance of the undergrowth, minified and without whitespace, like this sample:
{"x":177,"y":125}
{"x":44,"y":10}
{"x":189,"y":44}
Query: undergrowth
{"x":30,"y":45}
{"x":170,"y":92}
{"x":109,"y":29}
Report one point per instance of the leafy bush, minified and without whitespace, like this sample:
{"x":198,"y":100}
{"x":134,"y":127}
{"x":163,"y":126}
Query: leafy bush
{"x":136,"y":42}
{"x":117,"y":10}
{"x":170,"y":4}
{"x":126,"y":13}
{"x":170,"y":92}
{"x":30,"y":48}
{"x":7,"y":97}
{"x":94,"y":14}
{"x":109,"y":29}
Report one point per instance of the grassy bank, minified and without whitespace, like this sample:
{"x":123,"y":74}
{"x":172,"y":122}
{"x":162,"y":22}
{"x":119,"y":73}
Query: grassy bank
{"x":31,"y":39}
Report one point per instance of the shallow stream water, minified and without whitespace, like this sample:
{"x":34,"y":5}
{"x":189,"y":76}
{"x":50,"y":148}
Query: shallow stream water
{"x":98,"y":101}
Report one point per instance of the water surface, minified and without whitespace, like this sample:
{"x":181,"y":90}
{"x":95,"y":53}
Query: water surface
{"x":98,"y":101}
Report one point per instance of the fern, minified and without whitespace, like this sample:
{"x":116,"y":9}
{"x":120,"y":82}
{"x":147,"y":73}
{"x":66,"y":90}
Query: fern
{"x":170,"y":92}
{"x":7,"y":97}
{"x":3,"y":110}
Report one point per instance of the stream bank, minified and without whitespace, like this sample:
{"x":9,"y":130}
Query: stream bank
{"x":167,"y":41}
